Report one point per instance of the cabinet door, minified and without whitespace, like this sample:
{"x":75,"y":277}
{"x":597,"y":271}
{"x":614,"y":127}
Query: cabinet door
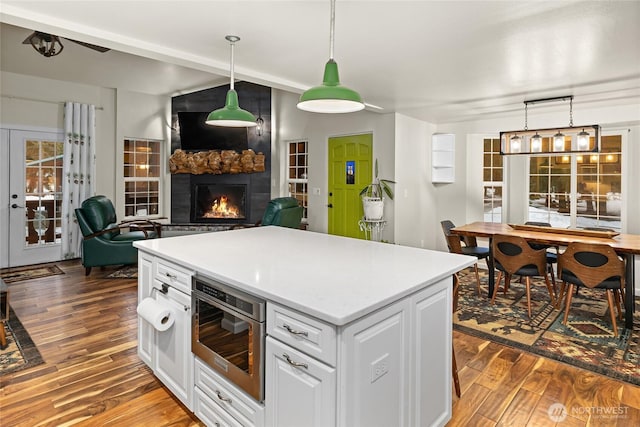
{"x":432,"y":338}
{"x":302,"y":395}
{"x":174,"y":360}
{"x":146,"y":341}
{"x":374,"y":371}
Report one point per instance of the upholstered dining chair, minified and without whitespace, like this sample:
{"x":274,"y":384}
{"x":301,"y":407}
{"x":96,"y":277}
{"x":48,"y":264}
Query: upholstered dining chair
{"x":512,"y":255}
{"x":464,"y":245}
{"x":593,"y":266}
{"x":105,"y":241}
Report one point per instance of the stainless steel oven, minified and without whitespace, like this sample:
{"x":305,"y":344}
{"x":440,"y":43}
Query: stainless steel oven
{"x":229,"y":333}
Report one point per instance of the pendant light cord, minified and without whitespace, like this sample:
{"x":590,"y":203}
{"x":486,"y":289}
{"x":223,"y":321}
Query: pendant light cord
{"x":332,"y":25}
{"x":232,"y":76}
{"x":571,"y":112}
{"x":232,"y":41}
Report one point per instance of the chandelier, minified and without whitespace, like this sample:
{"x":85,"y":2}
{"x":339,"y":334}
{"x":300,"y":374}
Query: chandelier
{"x":568,"y":139}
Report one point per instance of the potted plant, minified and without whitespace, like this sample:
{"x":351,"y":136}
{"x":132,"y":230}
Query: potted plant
{"x":373,"y":196}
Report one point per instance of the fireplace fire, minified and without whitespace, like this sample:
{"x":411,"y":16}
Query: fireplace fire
{"x":218,"y":202}
{"x":222,"y":209}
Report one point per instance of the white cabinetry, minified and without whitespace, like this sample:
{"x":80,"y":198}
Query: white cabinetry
{"x":218,"y":401}
{"x":174,"y":361}
{"x":146,"y":333}
{"x":431,"y":335}
{"x":443,"y":158}
{"x":168,"y":352}
{"x":390,"y":368}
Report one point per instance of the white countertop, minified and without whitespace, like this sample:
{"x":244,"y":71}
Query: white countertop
{"x":335,"y":279}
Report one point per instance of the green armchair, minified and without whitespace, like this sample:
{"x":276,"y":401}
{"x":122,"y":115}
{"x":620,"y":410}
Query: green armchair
{"x":284,"y":212}
{"x":105,"y":242}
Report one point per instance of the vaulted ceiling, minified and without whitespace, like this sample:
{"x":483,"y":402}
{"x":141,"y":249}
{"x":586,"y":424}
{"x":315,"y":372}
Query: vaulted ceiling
{"x":438,"y":61}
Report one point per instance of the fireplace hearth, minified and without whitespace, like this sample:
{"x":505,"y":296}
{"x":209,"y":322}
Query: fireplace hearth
{"x":219,"y":203}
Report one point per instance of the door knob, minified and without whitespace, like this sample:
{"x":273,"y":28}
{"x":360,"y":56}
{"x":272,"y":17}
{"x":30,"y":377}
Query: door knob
{"x":15,"y":206}
{"x":330,"y":205}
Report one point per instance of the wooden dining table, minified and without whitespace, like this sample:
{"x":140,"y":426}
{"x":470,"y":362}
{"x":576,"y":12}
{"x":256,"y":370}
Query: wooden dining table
{"x":626,"y":245}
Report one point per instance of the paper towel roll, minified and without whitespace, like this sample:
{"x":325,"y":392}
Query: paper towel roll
{"x":160,"y":317}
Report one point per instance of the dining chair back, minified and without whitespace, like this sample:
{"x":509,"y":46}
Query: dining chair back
{"x":465,"y":246}
{"x":552,"y":256}
{"x":593,"y":266}
{"x":512,"y":255}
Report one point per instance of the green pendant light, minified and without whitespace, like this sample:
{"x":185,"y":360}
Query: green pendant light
{"x":231,"y":115}
{"x":331,"y":96}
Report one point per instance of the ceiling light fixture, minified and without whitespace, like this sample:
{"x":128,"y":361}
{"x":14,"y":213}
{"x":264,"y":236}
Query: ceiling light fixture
{"x":552,"y":140}
{"x":231,"y":115}
{"x":331,"y":96}
{"x":45,"y":44}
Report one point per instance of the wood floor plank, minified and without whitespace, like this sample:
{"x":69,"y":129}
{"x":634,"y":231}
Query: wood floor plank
{"x":86,"y":331}
{"x":520,"y":409}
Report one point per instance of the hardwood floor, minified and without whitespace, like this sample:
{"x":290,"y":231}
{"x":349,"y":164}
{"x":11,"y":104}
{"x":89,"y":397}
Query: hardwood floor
{"x":85,"y":329}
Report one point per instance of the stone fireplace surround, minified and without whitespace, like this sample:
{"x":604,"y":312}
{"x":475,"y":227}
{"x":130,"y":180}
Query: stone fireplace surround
{"x":257,"y":100}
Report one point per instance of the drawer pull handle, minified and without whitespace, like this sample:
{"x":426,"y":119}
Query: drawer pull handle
{"x":296,"y":364}
{"x":221,"y":397}
{"x":171,"y":276}
{"x":295,"y":332}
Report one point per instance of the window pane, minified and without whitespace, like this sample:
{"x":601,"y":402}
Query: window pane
{"x":587,"y":194}
{"x":142,"y":169}
{"x":298,"y":172}
{"x":492,"y":177}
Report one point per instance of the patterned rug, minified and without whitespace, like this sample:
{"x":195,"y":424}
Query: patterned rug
{"x":18,"y":274}
{"x":586,"y":341}
{"x":125,"y":272}
{"x":21,"y":352}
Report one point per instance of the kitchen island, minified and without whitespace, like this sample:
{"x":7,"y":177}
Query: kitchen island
{"x":366,"y":324}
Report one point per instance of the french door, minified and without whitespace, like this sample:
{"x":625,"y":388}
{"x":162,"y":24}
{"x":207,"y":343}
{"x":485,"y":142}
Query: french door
{"x":33,"y":196}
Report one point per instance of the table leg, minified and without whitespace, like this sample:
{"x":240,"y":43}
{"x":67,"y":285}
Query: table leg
{"x":3,"y":337}
{"x":492,"y":278}
{"x":629,"y":296}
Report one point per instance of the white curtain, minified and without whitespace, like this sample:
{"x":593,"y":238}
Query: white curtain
{"x":79,"y":168}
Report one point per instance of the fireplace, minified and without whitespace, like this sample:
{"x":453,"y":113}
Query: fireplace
{"x":219,"y":203}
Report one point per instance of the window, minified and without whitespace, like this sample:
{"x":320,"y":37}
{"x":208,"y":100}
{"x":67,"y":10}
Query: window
{"x":492,"y":180}
{"x":141,"y":177}
{"x":298,"y":172}
{"x":578,"y":190}
{"x":43,"y":191}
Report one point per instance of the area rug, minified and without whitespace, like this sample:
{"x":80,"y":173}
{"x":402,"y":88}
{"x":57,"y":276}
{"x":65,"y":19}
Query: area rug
{"x":18,"y":274}
{"x":20,"y":353}
{"x":587,"y":341}
{"x":125,"y":272}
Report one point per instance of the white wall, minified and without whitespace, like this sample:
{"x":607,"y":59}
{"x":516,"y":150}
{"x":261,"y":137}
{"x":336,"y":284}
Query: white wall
{"x":37,"y":102}
{"x":415,"y":201}
{"x":140,"y":116}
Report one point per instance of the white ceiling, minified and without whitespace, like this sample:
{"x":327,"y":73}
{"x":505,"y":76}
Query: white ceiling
{"x":439,"y":61}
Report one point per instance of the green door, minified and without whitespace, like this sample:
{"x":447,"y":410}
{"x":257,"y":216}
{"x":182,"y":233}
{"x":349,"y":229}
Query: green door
{"x":350,"y":170}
